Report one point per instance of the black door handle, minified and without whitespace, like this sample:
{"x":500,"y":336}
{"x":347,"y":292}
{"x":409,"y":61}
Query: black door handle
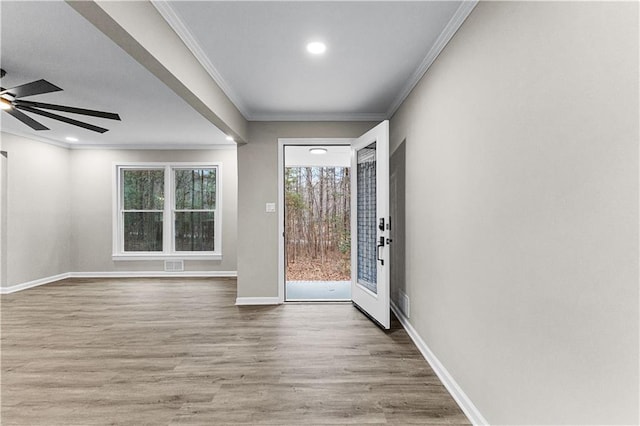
{"x":380,"y":244}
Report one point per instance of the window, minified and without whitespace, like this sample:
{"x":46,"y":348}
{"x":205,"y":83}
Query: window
{"x":167,"y":210}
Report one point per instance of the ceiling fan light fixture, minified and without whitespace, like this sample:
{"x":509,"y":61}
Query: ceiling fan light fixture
{"x":316,"y":48}
{"x":317,"y":150}
{"x":5,"y":104}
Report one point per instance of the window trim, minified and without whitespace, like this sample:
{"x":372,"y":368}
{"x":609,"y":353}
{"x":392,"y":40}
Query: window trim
{"x":168,"y":229}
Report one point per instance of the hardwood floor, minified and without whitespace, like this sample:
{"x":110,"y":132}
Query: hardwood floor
{"x":178,"y":351}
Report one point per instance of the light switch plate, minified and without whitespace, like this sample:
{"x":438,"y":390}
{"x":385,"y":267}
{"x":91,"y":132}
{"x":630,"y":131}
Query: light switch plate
{"x":270,"y":207}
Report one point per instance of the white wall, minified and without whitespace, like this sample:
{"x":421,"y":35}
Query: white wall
{"x":38,"y":222}
{"x":257,"y":185}
{"x":92,"y":186}
{"x":522,"y":210}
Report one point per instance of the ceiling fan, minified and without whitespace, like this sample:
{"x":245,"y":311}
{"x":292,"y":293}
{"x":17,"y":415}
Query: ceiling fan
{"x":11,"y":102}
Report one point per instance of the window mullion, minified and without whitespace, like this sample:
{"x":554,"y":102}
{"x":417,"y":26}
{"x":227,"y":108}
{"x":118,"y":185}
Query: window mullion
{"x":167,"y":228}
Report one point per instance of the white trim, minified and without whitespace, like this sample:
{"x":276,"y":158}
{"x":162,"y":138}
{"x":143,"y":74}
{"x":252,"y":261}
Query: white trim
{"x":157,"y":147}
{"x":34,"y":283}
{"x":465,"y":403}
{"x":257,"y":301}
{"x":280,"y":206}
{"x":177,"y":256}
{"x":118,"y":253}
{"x":152,"y":274}
{"x":117,"y":274}
{"x":166,"y":11}
{"x":347,"y":116}
{"x":138,"y":146}
{"x":456,"y":21}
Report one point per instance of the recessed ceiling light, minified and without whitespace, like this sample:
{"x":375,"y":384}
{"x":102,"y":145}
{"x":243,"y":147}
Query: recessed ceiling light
{"x":318,"y":150}
{"x":230,"y":138}
{"x":71,"y":139}
{"x":316,"y":48}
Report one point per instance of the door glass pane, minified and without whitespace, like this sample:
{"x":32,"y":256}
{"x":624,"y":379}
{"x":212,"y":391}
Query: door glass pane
{"x":366,"y":218}
{"x":195,"y":231}
{"x":142,"y":231}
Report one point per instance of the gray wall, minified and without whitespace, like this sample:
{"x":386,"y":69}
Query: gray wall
{"x":59,"y":210}
{"x":397,"y":211}
{"x":38,"y":222}
{"x":522,"y":210}
{"x":92,"y":185}
{"x":257,"y":185}
{"x":3,"y":216}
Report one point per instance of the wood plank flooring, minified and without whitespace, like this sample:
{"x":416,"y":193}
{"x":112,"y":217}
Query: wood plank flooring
{"x":178,"y":351}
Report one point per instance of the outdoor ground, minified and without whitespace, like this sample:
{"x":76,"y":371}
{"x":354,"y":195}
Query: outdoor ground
{"x":334,"y":268}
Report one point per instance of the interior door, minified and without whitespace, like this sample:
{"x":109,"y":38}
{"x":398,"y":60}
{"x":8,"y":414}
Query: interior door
{"x":370,"y":223}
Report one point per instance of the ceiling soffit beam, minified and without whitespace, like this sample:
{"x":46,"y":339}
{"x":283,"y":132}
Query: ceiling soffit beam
{"x":139,"y":29}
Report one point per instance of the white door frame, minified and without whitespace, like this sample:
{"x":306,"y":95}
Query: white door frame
{"x":282,"y":142}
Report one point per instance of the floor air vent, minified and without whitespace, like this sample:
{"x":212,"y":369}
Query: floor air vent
{"x":173,"y":265}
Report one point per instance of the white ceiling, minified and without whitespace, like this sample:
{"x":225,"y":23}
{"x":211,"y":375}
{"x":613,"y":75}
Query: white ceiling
{"x":52,"y":41}
{"x":256,"y":51}
{"x":300,"y":156}
{"x":376,"y":52}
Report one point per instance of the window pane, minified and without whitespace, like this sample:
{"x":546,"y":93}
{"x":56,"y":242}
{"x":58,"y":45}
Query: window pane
{"x":195,"y":231}
{"x":195,"y":189}
{"x":143,"y":231}
{"x":143,"y":189}
{"x":366,"y":218}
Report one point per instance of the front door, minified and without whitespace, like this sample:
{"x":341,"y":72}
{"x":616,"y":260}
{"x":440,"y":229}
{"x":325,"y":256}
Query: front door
{"x":370,"y":223}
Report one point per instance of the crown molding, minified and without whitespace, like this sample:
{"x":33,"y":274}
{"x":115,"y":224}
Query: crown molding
{"x":319,"y":117}
{"x":37,"y":138}
{"x":456,"y":21}
{"x":171,"y":17}
{"x":136,"y":146}
{"x":157,"y":147}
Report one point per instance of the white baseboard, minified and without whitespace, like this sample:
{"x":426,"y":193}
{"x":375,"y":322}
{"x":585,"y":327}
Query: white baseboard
{"x":467,"y":406}
{"x":116,"y":274}
{"x":34,"y":283}
{"x":153,"y":274}
{"x":258,"y":301}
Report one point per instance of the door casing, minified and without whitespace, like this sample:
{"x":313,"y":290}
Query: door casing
{"x":282,"y":142}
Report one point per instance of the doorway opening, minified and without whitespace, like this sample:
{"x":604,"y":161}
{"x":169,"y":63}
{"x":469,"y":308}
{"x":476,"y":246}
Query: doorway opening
{"x":316,"y":189}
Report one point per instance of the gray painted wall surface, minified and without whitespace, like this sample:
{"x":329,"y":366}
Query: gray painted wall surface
{"x":59,"y":209}
{"x":522,"y":210}
{"x":92,"y":184}
{"x":257,"y":185}
{"x":3,"y":216}
{"x":38,"y":221}
{"x":397,"y":211}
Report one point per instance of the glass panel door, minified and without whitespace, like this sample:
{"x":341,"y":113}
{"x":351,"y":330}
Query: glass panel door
{"x":370,"y":224}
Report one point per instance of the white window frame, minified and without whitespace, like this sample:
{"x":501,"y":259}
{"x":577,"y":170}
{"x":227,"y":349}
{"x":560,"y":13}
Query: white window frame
{"x":168,"y":229}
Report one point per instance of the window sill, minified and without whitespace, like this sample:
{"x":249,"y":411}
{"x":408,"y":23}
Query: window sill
{"x":181,"y":256}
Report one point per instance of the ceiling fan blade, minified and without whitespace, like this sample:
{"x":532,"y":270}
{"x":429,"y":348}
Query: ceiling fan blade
{"x":73,"y":110}
{"x":34,"y":88}
{"x":64,"y":119}
{"x":26,"y":119}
